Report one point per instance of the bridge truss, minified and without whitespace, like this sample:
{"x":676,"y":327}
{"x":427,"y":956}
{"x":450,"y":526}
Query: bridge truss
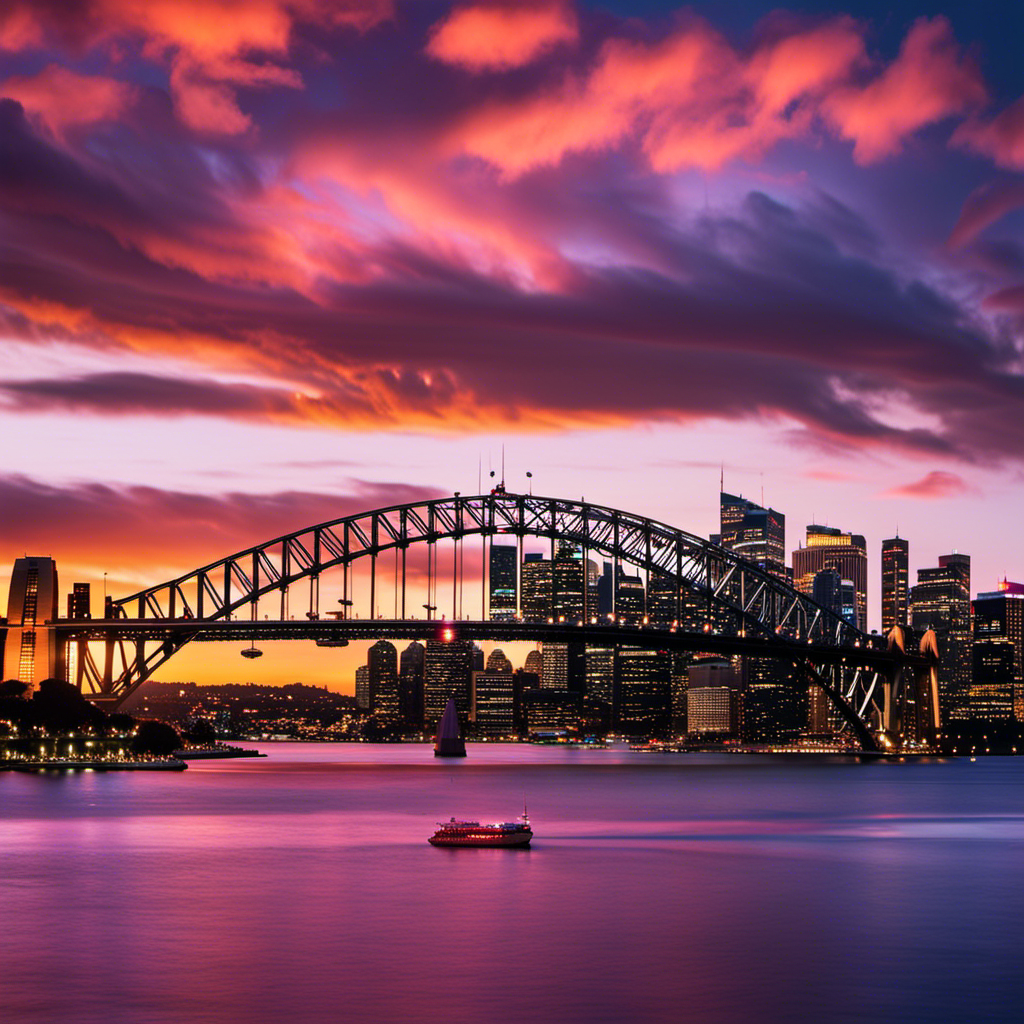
{"x":697,"y":597}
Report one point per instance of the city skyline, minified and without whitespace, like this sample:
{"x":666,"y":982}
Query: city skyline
{"x":265,"y":271}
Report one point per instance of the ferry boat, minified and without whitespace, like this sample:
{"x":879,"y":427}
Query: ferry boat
{"x":472,"y":833}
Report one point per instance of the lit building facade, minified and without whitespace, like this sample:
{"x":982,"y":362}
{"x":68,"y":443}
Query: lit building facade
{"x":31,"y":652}
{"x":941,"y":600}
{"x":503,"y":568}
{"x":895,"y":582}
{"x":448,"y":666}
{"x":382,"y":663}
{"x":713,"y":698}
{"x":410,"y":684}
{"x":999,"y":615}
{"x":755,"y":533}
{"x":845,"y":553}
{"x":643,"y":692}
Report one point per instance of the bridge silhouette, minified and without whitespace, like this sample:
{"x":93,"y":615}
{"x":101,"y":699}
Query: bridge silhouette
{"x":698,"y":597}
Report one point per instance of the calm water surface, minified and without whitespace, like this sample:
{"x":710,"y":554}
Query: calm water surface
{"x":301,"y":888}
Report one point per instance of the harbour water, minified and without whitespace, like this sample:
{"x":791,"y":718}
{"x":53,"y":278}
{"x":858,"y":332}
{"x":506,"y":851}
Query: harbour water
{"x":301,"y":888}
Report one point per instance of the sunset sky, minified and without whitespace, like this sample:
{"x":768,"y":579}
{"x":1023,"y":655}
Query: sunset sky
{"x":266,"y":262}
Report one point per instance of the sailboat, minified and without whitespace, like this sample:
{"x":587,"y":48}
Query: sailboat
{"x":449,"y":741}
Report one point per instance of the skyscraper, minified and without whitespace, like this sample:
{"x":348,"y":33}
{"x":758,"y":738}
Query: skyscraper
{"x":754,"y":533}
{"x":941,"y":600}
{"x":846,"y":553}
{"x":410,"y":684}
{"x":31,"y":652}
{"x":363,"y":688}
{"x":382,"y":663}
{"x":494,"y":698}
{"x":999,"y":615}
{"x":448,"y":665}
{"x":895,"y":582}
{"x":503,"y":568}
{"x":643,"y":692}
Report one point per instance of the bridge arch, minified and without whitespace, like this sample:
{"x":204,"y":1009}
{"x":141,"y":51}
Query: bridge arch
{"x":730,"y":594}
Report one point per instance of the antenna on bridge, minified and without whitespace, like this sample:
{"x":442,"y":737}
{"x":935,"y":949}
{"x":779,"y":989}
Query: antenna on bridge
{"x":503,"y":467}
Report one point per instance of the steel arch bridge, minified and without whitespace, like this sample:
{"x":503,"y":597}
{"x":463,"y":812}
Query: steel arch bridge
{"x":708,"y":599}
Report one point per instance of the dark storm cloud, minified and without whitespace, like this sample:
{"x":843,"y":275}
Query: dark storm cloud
{"x":366,"y":231}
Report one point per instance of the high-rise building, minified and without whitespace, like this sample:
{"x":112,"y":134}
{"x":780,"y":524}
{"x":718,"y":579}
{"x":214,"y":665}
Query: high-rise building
{"x":941,"y":600}
{"x":643,"y":692}
{"x":410,"y":684}
{"x":31,"y":651}
{"x":714,"y":704}
{"x":536,"y":588}
{"x":831,"y":591}
{"x":363,"y":688}
{"x":534,"y":664}
{"x":79,"y":601}
{"x":448,"y":665}
{"x":999,"y":615}
{"x":846,"y":553}
{"x":754,"y":533}
{"x":895,"y":582}
{"x":555,"y":673}
{"x":494,"y":698}
{"x":382,"y":663}
{"x":991,"y":692}
{"x":504,"y":565}
{"x":555,"y":589}
{"x":600,"y":673}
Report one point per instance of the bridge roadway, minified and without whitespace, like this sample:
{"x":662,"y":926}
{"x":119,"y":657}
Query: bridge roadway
{"x":875,"y":656}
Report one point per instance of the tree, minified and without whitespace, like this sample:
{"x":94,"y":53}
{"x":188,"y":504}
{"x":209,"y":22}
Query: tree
{"x":157,"y":738}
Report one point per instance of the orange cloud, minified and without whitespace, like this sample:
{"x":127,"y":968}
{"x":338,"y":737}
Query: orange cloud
{"x":494,"y":37}
{"x":692,"y":100}
{"x":63,"y":99}
{"x":927,"y":82}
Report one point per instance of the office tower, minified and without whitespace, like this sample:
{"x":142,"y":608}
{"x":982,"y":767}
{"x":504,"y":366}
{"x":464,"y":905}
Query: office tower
{"x":497,"y":662}
{"x":555,"y":671}
{"x":991,"y":693}
{"x":665,"y":604}
{"x":999,"y":615}
{"x":476,"y":657}
{"x":846,"y":553}
{"x":895,"y":582}
{"x":643,"y":692}
{"x":551,"y":711}
{"x":630,"y":599}
{"x":504,"y":565}
{"x":714,"y":703}
{"x":563,"y":666}
{"x":941,"y":600}
{"x":410,"y":685}
{"x":522,"y":683}
{"x":600,"y":672}
{"x":494,"y":698}
{"x":448,"y":665}
{"x":382,"y":664}
{"x":31,"y":652}
{"x":79,"y":602}
{"x":363,"y":688}
{"x":536,"y":588}
{"x":754,"y":533}
{"x":831,"y":591}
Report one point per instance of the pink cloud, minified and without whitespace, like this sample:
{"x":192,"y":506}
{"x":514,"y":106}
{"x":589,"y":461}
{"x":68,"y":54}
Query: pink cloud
{"x":927,"y":82}
{"x":936,"y":484}
{"x":63,"y":99}
{"x":500,"y":37}
{"x":1000,"y":138}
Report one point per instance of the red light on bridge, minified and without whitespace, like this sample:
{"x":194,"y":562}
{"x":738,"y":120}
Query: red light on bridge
{"x":447,"y":634}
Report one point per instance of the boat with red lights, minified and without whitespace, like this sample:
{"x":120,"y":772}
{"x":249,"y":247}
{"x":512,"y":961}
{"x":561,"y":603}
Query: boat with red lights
{"x":471,"y":833}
